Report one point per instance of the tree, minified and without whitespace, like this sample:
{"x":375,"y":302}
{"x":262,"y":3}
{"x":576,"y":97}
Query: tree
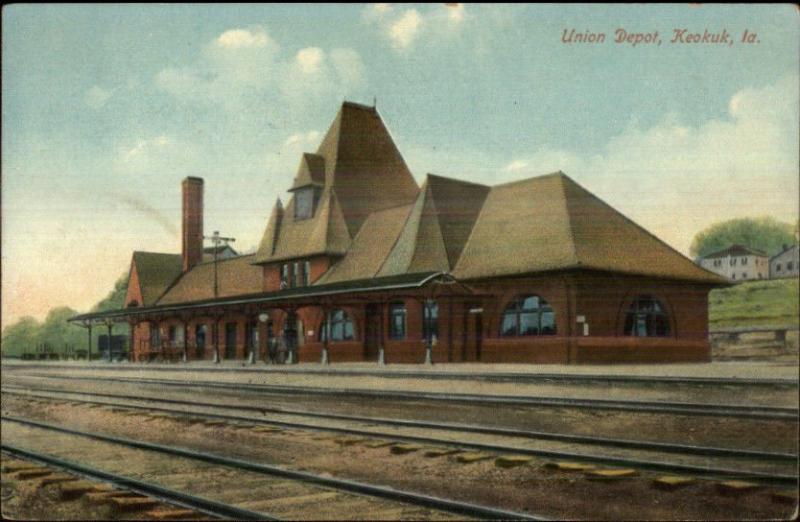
{"x":764,"y":233}
{"x":20,"y":337}
{"x":27,"y":333}
{"x":116,"y":298}
{"x":56,"y":331}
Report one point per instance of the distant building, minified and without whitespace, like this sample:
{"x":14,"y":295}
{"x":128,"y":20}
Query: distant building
{"x":738,"y":263}
{"x":785,"y":264}
{"x":223,"y":252}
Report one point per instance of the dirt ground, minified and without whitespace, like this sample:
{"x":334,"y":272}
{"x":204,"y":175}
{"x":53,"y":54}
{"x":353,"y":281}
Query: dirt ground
{"x":754,"y":434}
{"x":531,"y":487}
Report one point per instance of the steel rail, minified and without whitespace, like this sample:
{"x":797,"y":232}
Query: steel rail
{"x":417,"y":499}
{"x":700,"y":471}
{"x":167,"y":495}
{"x":425,"y":374}
{"x":683,"y":408}
{"x":707,"y":451}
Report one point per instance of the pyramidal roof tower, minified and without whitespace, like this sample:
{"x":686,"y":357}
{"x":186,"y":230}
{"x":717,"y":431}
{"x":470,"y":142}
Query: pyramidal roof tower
{"x":357,"y":170}
{"x":364,"y":166}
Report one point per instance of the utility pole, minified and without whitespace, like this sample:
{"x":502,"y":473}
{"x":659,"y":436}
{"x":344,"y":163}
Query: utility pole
{"x":216,"y":240}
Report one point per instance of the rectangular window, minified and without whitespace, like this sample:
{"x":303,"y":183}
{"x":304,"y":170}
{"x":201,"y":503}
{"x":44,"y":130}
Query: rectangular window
{"x":173,"y":334}
{"x":733,"y":261}
{"x":789,"y":265}
{"x":744,"y":275}
{"x":744,"y":261}
{"x":397,"y":321}
{"x":430,"y":319}
{"x":298,"y":276}
{"x":778,"y":268}
{"x":304,"y":203}
{"x":155,"y":337}
{"x":285,"y":275}
{"x":306,"y":273}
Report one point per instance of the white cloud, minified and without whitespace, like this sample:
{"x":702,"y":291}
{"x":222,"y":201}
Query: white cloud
{"x":404,"y":30}
{"x":96,"y":97}
{"x":142,"y":147}
{"x":376,"y":12}
{"x":302,"y":139}
{"x":310,"y":59}
{"x":675,"y":178}
{"x":236,"y":38}
{"x":516,"y":165}
{"x":243,"y":67}
{"x":348,"y":67}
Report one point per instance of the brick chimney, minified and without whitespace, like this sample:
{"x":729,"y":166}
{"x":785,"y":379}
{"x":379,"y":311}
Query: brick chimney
{"x":192,"y":245}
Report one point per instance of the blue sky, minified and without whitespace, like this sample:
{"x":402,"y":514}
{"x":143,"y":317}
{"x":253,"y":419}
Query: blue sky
{"x":106,"y":108}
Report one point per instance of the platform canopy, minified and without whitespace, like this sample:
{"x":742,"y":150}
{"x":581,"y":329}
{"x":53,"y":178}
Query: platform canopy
{"x":427,"y":285}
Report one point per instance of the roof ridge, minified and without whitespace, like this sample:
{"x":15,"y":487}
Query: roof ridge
{"x":154,"y":253}
{"x":474,"y":226}
{"x":356,"y":105}
{"x":386,"y":210}
{"x":531,"y":178}
{"x":736,"y":245}
{"x":795,"y":245}
{"x":456,"y":180}
{"x":634,"y":224}
{"x":225,"y":260}
{"x":399,"y":235}
{"x":429,"y":203}
{"x":570,"y":229}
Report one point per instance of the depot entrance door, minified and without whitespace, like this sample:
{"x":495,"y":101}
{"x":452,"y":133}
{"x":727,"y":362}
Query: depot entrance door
{"x":372,"y":332}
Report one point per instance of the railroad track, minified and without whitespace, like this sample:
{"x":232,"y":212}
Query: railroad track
{"x":695,"y":470}
{"x":425,"y":374}
{"x":265,"y":491}
{"x":682,"y":408}
{"x":162,"y":494}
{"x":664,"y":447}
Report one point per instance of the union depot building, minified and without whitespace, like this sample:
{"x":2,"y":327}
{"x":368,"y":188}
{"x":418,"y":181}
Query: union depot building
{"x":363,"y":264}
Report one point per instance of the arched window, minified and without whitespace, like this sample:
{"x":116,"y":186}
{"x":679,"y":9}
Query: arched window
{"x":528,"y":315}
{"x":341,"y":327}
{"x":646,"y":317}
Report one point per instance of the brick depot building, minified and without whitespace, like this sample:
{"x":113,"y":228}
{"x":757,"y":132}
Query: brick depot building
{"x":363,"y":264}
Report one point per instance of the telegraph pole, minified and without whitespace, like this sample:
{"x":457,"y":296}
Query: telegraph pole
{"x":217,"y":240}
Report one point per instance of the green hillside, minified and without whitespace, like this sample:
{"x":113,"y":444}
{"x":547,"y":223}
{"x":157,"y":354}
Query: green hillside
{"x":755,"y":303}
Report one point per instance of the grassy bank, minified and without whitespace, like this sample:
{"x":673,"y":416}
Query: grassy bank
{"x":755,"y":303}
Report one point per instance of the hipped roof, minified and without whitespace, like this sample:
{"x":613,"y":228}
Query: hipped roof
{"x":551,"y":223}
{"x":235,"y":276}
